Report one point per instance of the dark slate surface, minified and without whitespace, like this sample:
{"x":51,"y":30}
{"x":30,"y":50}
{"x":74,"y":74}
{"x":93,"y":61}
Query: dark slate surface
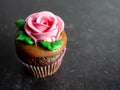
{"x":92,"y":60}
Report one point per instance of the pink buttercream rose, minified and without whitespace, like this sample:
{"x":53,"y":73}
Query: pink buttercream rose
{"x":44,"y":26}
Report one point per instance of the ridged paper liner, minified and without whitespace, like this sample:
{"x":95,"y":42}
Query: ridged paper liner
{"x":44,"y":71}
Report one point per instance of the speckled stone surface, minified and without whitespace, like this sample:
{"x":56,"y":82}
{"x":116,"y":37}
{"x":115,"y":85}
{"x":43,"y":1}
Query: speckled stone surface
{"x":92,"y":60}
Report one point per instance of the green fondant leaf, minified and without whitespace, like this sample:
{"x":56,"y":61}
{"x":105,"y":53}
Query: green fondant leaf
{"x":20,"y":24}
{"x":23,"y":37}
{"x":51,"y":45}
{"x":28,"y":40}
{"x":20,"y":36}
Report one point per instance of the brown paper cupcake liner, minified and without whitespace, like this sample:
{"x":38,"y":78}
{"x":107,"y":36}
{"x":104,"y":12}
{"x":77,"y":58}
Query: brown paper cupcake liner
{"x":43,"y":71}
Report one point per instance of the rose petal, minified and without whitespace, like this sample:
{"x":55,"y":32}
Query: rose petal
{"x":30,"y":24}
{"x":41,"y":27}
{"x":60,"y":25}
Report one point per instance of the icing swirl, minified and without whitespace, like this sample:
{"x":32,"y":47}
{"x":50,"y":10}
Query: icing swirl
{"x":44,"y":26}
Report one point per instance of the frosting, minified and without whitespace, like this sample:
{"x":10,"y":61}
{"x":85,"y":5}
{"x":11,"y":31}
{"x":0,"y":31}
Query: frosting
{"x":25,"y":38}
{"x":51,"y":45}
{"x":20,"y":23}
{"x":44,"y":26}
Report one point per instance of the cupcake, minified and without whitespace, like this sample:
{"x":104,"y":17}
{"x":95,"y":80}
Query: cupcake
{"x":41,"y":43}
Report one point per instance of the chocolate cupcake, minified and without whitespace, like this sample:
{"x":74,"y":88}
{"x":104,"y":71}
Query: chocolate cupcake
{"x":41,"y":43}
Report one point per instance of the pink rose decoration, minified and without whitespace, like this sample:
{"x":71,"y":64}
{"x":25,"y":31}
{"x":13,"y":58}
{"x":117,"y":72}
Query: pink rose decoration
{"x":44,"y":26}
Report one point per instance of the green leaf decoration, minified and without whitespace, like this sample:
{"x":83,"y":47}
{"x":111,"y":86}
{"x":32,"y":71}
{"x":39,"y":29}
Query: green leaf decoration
{"x":20,"y":23}
{"x":51,"y":45}
{"x":23,"y":37}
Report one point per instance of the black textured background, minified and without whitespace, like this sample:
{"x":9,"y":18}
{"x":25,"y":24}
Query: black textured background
{"x":92,"y":60}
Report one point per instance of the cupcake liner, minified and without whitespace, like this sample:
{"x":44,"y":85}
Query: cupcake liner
{"x":43,"y":71}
